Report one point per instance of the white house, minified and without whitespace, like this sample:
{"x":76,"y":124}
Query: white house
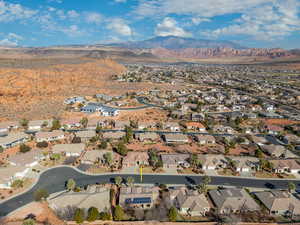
{"x":9,"y":174}
{"x":38,"y":124}
{"x":13,"y":139}
{"x":28,"y":159}
{"x":50,"y":136}
{"x":69,"y":149}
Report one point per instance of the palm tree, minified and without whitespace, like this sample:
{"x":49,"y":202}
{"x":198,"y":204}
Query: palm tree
{"x":291,"y":186}
{"x":118,"y":180}
{"x":129,"y":181}
{"x":206,"y":180}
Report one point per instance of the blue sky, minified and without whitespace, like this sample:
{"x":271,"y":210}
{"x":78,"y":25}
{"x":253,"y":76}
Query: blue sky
{"x":252,"y":23}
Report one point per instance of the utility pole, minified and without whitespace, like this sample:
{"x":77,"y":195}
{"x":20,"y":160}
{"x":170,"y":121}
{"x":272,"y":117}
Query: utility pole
{"x":141,"y":173}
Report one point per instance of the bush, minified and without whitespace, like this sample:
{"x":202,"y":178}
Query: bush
{"x":119,"y":213}
{"x":103,"y":145}
{"x":28,"y":222}
{"x":24,"y":148}
{"x":55,"y":125}
{"x":105,"y":216}
{"x":79,"y":216}
{"x":17,"y":184}
{"x":172,"y":215}
{"x":43,"y":144}
{"x":76,"y":140}
{"x":93,"y":214}
{"x":121,"y":149}
{"x":40,"y":194}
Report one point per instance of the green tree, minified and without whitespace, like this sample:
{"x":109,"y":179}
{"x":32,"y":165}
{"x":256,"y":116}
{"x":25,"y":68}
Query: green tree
{"x":105,"y":216}
{"x":103,"y":145}
{"x":24,"y":123}
{"x":56,"y":124}
{"x":24,"y":148}
{"x":93,"y":214}
{"x":119,"y":213}
{"x":43,"y":144}
{"x":40,"y":194}
{"x":55,"y":157}
{"x":17,"y":183}
{"x":265,"y":165}
{"x":291,"y":186}
{"x":258,"y":153}
{"x":202,"y":188}
{"x":71,"y":184}
{"x":227,"y":150}
{"x":108,"y":158}
{"x":121,"y":149}
{"x":118,"y":180}
{"x":45,"y":124}
{"x":94,"y":139}
{"x":28,"y":222}
{"x":129,"y":181}
{"x":194,"y":161}
{"x":1,"y":149}
{"x":84,"y":121}
{"x":206,"y":180}
{"x":129,"y":134}
{"x":153,"y":158}
{"x":79,"y":216}
{"x":173,"y":214}
{"x":98,"y":129}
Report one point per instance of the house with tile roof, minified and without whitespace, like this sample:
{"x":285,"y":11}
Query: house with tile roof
{"x":189,"y":202}
{"x":279,"y":202}
{"x":232,"y":200}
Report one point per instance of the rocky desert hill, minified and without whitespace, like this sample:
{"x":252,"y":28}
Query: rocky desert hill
{"x":199,"y":53}
{"x":38,"y":92}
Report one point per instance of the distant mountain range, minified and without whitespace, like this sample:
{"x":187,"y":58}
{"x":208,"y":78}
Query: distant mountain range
{"x":173,"y":42}
{"x":169,"y":47}
{"x":179,"y":47}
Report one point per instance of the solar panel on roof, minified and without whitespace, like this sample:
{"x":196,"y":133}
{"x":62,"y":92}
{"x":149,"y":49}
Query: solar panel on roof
{"x":141,"y":200}
{"x":138,"y":200}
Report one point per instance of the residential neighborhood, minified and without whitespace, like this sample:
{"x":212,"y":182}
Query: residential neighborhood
{"x":162,"y":151}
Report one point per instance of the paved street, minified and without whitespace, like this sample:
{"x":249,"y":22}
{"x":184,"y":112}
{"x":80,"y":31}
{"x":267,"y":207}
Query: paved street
{"x":54,"y":180}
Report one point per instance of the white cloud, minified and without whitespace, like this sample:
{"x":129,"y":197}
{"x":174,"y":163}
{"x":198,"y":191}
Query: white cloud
{"x":120,"y":1}
{"x":119,"y":26}
{"x":15,"y":36}
{"x":268,"y":22}
{"x":11,"y":39}
{"x":11,"y":12}
{"x":72,"y":31}
{"x":7,"y":42}
{"x":260,"y":19}
{"x":72,"y":14}
{"x":169,"y":27}
{"x":198,"y":20}
{"x":93,"y":17}
{"x":61,"y":14}
{"x":204,"y":8}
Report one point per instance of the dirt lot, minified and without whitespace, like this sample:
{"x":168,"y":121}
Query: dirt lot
{"x":283,"y":122}
{"x":38,"y":93}
{"x":41,"y":210}
{"x":5,"y":193}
